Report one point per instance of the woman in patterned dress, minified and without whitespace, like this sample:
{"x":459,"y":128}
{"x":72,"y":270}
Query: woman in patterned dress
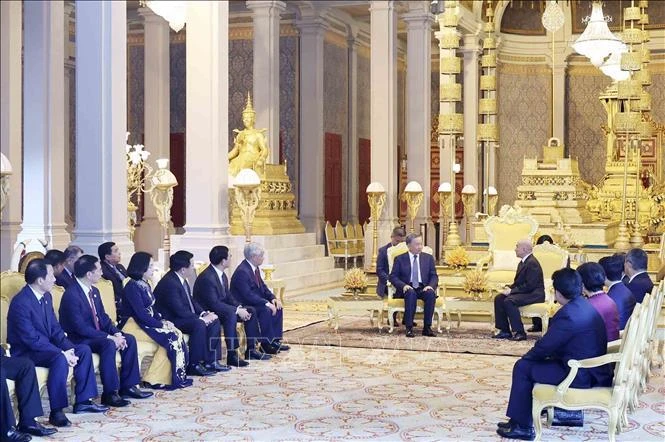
{"x":137,"y":316}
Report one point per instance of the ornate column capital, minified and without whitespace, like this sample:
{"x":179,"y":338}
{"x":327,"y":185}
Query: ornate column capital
{"x":266,"y":7}
{"x":471,"y":44}
{"x":149,"y":16}
{"x":312,"y":25}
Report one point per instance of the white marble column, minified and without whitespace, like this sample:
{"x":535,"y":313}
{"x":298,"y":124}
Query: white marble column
{"x":206,"y":192}
{"x":559,"y":66}
{"x":69,"y":72}
{"x":472,"y":166}
{"x":418,"y":101}
{"x":10,"y":122}
{"x":352,"y":121}
{"x":156,"y":117}
{"x":101,"y":125}
{"x":312,"y":159}
{"x":43,"y":124}
{"x":383,"y":109}
{"x":266,"y":15}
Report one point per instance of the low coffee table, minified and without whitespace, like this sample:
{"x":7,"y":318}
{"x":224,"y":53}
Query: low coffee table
{"x":340,"y":305}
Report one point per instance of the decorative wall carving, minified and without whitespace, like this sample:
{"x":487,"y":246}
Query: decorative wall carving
{"x":289,"y":93}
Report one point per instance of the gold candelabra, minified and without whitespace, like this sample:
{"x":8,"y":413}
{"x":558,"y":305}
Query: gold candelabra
{"x":376,"y":197}
{"x":163,"y":181}
{"x":622,"y":242}
{"x":247,"y":196}
{"x":637,"y":240}
{"x":492,"y":200}
{"x":469,"y":201}
{"x":138,"y":173}
{"x":453,"y":239}
{"x":5,"y":172}
{"x":444,"y":192}
{"x":413,"y":195}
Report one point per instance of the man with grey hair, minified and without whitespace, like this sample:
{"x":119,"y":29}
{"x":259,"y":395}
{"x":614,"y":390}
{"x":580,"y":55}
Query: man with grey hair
{"x":249,"y":289}
{"x":72,"y":253}
{"x":637,"y":279}
{"x":528,"y":287}
{"x":414,"y":276}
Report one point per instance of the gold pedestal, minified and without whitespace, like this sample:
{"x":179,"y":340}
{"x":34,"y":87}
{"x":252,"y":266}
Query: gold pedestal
{"x":276,"y":213}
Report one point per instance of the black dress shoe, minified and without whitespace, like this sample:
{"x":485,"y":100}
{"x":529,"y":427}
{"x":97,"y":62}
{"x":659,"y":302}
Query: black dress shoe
{"x":233,"y":360}
{"x":89,"y":407}
{"x":506,"y":425}
{"x":534,"y":329}
{"x":58,"y":419}
{"x":256,"y":355}
{"x":409,"y":332}
{"x":114,"y":400}
{"x":280,"y":346}
{"x":135,"y":393}
{"x":517,"y":432}
{"x":270,"y":349}
{"x":36,"y":429}
{"x":503,"y":335}
{"x":519,"y":337}
{"x":199,"y":370}
{"x":216,"y":366}
{"x":427,"y":331}
{"x":13,"y":435}
{"x":563,"y":418}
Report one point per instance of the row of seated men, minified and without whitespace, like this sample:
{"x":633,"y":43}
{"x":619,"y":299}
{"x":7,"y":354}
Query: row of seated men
{"x":162,"y":316}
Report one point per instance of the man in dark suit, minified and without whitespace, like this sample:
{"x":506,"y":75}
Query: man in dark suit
{"x":84,"y":319}
{"x":616,"y":289}
{"x":66,"y":277}
{"x":211,"y":291}
{"x":414,"y":276}
{"x":173,"y":299}
{"x":635,"y":269}
{"x":22,"y":372}
{"x":382,"y":270}
{"x":57,"y":260}
{"x":527,"y":288}
{"x":112,"y":270}
{"x":249,"y":289}
{"x":576,"y":332}
{"x":34,"y":332}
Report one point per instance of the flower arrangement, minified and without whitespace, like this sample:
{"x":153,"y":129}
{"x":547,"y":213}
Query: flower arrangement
{"x":355,"y":281}
{"x":457,"y":258}
{"x":475,"y":283}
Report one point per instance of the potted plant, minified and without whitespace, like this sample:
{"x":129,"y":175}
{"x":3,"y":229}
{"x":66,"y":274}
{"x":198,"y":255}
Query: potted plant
{"x":355,"y":281}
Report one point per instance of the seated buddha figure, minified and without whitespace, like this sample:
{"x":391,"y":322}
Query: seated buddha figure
{"x":250,"y":149}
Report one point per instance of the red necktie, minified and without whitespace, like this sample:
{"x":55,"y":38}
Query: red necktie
{"x":94,"y":310}
{"x":257,"y":274}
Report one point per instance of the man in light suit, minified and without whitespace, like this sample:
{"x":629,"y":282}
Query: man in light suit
{"x":527,"y":288}
{"x":33,"y":331}
{"x":84,"y":318}
{"x":576,"y":332}
{"x":66,"y":277}
{"x":414,"y":276}
{"x":250,"y":290}
{"x":173,"y":299}
{"x":637,"y":279}
{"x":211,"y":290}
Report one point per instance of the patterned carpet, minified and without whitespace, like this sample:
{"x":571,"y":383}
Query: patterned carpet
{"x":315,"y":393}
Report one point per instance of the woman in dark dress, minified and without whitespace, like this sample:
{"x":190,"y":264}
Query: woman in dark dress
{"x":137,"y":316}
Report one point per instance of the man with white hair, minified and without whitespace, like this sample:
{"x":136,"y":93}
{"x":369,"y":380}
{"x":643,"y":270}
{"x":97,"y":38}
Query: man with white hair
{"x":249,"y":289}
{"x":528,"y":287}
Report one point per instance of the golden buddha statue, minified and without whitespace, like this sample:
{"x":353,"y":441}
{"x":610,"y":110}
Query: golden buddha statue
{"x":250,"y":148}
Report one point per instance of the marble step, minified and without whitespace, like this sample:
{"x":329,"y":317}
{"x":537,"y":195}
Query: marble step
{"x":271,"y":242}
{"x":291,"y":254}
{"x":298,"y":268}
{"x":312,"y":281}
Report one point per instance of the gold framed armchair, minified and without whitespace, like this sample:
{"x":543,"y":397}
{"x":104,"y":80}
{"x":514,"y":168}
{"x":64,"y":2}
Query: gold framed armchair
{"x":394,"y":305}
{"x":551,"y":258}
{"x":503,"y":232}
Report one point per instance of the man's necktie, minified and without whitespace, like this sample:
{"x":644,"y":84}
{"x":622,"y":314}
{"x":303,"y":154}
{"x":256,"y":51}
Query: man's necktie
{"x":257,"y":275}
{"x":121,"y":275}
{"x":189,"y":296}
{"x":94,"y":310}
{"x":44,"y":312}
{"x":223,"y":282}
{"x":414,"y":272}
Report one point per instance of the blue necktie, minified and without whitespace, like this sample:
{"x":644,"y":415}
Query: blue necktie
{"x":414,"y":272}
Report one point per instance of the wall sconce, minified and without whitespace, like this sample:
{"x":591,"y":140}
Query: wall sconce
{"x":413,"y":195}
{"x":138,"y":172}
{"x":247,"y":195}
{"x":444,"y":191}
{"x":163,"y":181}
{"x":5,"y":171}
{"x":376,"y":197}
{"x":492,"y":198}
{"x":469,"y":200}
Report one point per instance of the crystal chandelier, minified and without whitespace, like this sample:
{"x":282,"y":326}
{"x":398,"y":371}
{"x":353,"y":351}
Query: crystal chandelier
{"x":597,"y":42}
{"x":612,"y":67}
{"x":174,"y":12}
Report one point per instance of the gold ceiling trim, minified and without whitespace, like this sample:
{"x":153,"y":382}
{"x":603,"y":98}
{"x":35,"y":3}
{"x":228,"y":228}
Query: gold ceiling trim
{"x":524,"y":69}
{"x":506,"y":58}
